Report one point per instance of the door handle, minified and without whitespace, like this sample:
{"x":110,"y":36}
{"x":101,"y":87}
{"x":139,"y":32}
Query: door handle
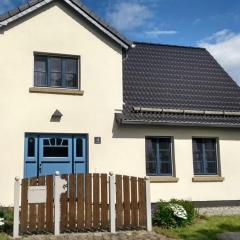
{"x":40,"y":168}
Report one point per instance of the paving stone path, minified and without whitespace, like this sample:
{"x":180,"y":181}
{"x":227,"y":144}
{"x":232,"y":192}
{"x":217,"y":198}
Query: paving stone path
{"x":139,"y":235}
{"x":229,"y":236}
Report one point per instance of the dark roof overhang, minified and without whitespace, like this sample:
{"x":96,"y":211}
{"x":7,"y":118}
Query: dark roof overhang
{"x":123,"y":120}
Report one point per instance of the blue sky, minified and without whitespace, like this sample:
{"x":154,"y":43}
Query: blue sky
{"x":214,"y":24}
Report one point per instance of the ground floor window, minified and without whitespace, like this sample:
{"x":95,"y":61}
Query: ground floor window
{"x":159,"y":160}
{"x":205,"y":156}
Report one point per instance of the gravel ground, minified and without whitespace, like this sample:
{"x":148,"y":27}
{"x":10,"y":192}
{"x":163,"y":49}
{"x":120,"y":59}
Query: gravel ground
{"x":142,"y":235}
{"x":229,"y":236}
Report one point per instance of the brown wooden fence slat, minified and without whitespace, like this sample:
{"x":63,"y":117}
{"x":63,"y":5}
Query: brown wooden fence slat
{"x":85,"y":206}
{"x":142,"y":202}
{"x":64,"y":208}
{"x":96,"y":199}
{"x":134,"y":203}
{"x":24,"y":207}
{"x":49,"y":204}
{"x":41,"y":208}
{"x":126,"y":203}
{"x":119,"y":202}
{"x":72,"y":201}
{"x":104,"y":202}
{"x":33,"y":209}
{"x":88,"y":200}
{"x":80,"y":201}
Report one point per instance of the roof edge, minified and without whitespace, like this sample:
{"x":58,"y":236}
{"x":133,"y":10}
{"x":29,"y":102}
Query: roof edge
{"x":119,"y":117}
{"x":166,"y":45}
{"x":33,"y":5}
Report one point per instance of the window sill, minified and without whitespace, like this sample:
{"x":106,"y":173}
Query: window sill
{"x":208,"y":179}
{"x":163,"y":179}
{"x":56,"y":91}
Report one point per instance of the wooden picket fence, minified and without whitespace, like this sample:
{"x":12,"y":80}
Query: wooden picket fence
{"x":85,"y":206}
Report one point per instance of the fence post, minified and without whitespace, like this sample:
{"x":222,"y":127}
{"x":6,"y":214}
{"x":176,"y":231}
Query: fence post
{"x":112,"y":194}
{"x":148,"y":204}
{"x":59,"y":188}
{"x":16,"y":207}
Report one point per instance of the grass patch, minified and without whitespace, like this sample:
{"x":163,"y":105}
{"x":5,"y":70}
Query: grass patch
{"x":4,"y":236}
{"x":204,"y":228}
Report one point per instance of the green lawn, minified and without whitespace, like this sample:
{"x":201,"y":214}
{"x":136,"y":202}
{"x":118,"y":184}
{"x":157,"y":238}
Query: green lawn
{"x":204,"y":229}
{"x":3,"y":237}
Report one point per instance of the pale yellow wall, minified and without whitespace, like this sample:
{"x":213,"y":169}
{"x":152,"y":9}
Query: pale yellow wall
{"x":133,"y":142}
{"x":54,"y":30}
{"x":122,"y":150}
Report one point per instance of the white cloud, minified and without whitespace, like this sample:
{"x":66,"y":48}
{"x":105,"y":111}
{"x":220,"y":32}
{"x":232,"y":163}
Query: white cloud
{"x":156,"y":33}
{"x":224,"y":46}
{"x":127,"y":16}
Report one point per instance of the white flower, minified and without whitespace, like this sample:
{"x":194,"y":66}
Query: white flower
{"x":178,"y":210}
{"x":1,"y":221}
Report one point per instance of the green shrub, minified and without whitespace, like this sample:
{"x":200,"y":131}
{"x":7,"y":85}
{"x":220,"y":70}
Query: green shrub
{"x":6,"y":214}
{"x":175,"y":213}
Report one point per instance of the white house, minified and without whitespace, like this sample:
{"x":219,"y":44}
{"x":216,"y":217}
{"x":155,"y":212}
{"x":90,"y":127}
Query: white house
{"x":76,"y":96}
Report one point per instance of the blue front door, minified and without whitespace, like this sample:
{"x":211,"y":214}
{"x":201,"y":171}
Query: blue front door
{"x":47,"y":153}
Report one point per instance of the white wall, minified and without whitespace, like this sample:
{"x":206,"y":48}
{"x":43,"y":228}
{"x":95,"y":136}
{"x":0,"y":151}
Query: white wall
{"x":56,"y":30}
{"x":132,"y":141}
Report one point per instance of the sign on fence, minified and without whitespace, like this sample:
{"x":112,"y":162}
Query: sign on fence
{"x":37,"y":194}
{"x":88,"y":202}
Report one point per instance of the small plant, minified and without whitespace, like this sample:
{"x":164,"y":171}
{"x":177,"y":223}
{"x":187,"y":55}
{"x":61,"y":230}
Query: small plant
{"x":175,"y":213}
{"x":6,"y":219}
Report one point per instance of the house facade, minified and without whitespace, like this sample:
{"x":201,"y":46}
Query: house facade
{"x":78,"y":97}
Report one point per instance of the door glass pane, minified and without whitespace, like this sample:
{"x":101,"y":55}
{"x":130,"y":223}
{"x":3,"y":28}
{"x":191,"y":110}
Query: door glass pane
{"x":79,"y":147}
{"x":31,"y":147}
{"x":46,"y":142}
{"x":55,"y":151}
{"x":151,"y":156}
{"x":55,"y":147}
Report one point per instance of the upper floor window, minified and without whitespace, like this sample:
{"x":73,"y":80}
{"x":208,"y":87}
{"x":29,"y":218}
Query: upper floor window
{"x":56,"y":71}
{"x":159,"y":156}
{"x":205,"y":157}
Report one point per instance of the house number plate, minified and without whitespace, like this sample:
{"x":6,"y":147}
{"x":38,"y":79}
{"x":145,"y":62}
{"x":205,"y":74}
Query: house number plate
{"x":37,"y":194}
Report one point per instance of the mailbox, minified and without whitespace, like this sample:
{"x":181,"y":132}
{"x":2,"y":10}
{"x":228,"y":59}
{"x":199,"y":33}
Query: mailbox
{"x":37,"y":194}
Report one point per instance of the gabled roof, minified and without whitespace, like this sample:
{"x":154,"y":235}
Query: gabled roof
{"x":175,"y":85}
{"x":76,"y":6}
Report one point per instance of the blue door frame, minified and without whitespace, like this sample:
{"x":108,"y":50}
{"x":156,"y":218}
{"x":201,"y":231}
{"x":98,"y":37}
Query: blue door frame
{"x":47,"y":153}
